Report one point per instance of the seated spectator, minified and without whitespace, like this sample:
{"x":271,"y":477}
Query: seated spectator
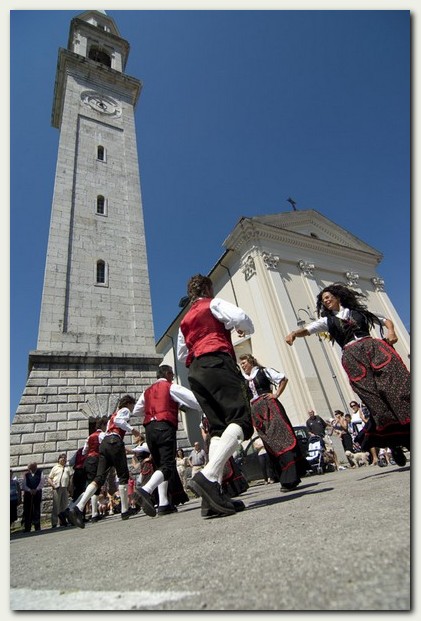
{"x":330,"y":458}
{"x":104,"y":502}
{"x":115,"y":503}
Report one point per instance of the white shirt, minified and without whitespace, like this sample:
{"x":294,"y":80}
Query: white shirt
{"x":121,"y":420}
{"x":320,"y":325}
{"x":101,"y":436}
{"x":230,"y":315}
{"x":275,"y":377}
{"x":179,"y":394}
{"x":142,"y":448}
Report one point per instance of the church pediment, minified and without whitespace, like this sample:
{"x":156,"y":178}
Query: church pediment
{"x":306,"y":224}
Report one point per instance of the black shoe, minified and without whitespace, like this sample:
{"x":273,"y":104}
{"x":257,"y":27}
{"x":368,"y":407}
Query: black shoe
{"x":147,"y":502}
{"x":76,"y":517}
{"x":128,"y":513}
{"x":166,"y":510}
{"x":211,"y":491}
{"x":398,"y":456}
{"x":96,"y":518}
{"x":207,"y":512}
{"x":288,"y":487}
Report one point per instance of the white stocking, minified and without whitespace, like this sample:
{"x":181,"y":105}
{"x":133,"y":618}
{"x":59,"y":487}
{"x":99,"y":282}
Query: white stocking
{"x":224,"y":448}
{"x":87,"y":494}
{"x":154,"y":481}
{"x":163,"y":494}
{"x":124,"y":498}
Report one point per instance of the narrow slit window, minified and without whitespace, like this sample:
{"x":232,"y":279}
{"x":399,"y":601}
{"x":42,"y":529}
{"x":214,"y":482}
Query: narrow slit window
{"x":100,"y":272}
{"x":100,"y":204}
{"x":101,"y":153}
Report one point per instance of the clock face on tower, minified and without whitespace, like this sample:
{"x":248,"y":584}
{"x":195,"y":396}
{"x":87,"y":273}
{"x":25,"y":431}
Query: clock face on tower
{"x":101,"y":103}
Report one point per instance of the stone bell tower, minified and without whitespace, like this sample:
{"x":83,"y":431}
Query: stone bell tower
{"x":95,"y":340}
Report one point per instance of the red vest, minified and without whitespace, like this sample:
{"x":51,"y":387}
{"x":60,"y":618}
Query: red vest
{"x":112,"y":427}
{"x":79,"y":460}
{"x":159,"y":405}
{"x":203,"y":333}
{"x":93,"y":444}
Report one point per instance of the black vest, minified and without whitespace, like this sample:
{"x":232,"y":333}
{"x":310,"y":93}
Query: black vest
{"x":343,"y":331}
{"x":261,"y":382}
{"x":32,"y":480}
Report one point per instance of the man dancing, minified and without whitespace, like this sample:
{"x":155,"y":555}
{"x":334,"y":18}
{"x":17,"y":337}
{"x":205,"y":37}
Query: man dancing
{"x":111,"y":453}
{"x":158,"y":409}
{"x":204,"y":344}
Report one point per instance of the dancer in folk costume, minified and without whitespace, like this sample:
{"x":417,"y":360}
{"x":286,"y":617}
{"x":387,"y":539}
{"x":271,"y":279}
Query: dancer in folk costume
{"x":204,"y":345}
{"x":91,"y":451}
{"x":375,"y":371}
{"x":112,"y":453}
{"x":272,"y":423}
{"x":157,"y":409}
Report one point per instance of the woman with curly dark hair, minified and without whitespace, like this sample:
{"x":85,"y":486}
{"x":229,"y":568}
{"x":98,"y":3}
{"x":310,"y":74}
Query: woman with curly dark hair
{"x":375,"y":371}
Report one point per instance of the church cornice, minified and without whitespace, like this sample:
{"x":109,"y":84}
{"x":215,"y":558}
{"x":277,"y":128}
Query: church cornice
{"x":252,"y":232}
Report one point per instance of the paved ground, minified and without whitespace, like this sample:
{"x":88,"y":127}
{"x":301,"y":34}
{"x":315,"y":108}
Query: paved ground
{"x":340,"y":542}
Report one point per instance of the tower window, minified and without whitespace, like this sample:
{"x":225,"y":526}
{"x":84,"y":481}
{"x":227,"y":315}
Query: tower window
{"x":100,"y":153}
{"x":100,"y":56}
{"x":101,"y":276}
{"x":100,"y":205}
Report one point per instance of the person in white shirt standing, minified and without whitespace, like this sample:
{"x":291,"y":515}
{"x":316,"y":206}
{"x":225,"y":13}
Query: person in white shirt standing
{"x":59,"y":479}
{"x":197,"y":459}
{"x":205,"y":346}
{"x":111,"y":453}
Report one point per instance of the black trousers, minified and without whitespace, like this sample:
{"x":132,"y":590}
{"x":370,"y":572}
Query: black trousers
{"x":32,"y":510}
{"x":79,"y":482}
{"x":161,"y":438}
{"x":220,"y":389}
{"x":91,"y":466}
{"x":112,"y":453}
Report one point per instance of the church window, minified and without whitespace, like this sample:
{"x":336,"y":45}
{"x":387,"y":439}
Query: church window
{"x":100,"y":153}
{"x":100,"y":205}
{"x":101,"y":273}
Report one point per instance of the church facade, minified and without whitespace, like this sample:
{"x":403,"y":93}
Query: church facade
{"x":273,"y":267}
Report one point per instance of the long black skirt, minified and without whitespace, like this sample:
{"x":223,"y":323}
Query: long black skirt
{"x":379,"y":377}
{"x":274,"y":428}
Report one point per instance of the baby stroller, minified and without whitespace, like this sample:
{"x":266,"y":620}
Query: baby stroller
{"x":315,"y":449}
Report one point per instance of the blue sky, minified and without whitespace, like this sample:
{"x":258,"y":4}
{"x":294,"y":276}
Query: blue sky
{"x":239,"y":111}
